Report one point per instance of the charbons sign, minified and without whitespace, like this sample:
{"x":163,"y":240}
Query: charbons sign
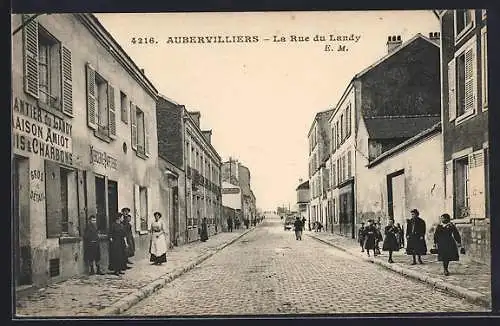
{"x":39,"y":132}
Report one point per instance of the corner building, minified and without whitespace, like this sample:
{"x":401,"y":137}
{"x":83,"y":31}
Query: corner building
{"x":82,"y":115}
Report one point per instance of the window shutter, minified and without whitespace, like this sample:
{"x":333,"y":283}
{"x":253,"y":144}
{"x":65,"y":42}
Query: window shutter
{"x":349,"y":164}
{"x":53,"y":199}
{"x":137,"y":208}
{"x":146,"y":134}
{"x":133,"y":126}
{"x":67,"y":81}
{"x":477,"y":185}
{"x":91,"y":98}
{"x":82,"y":214}
{"x":30,"y":56}
{"x":470,"y":79}
{"x":149,"y":210}
{"x":112,"y":111}
{"x":449,"y":187}
{"x":452,"y":94}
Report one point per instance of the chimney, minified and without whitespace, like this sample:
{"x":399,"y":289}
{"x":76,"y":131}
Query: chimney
{"x":195,"y":115}
{"x":435,"y":36}
{"x":208,"y":135}
{"x":142,"y":71}
{"x":393,"y":42}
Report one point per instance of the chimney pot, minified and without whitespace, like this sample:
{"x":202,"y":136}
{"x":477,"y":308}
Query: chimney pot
{"x":393,"y":43}
{"x":142,"y":71}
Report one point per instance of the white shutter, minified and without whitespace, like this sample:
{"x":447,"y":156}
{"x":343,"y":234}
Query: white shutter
{"x":91,"y":98}
{"x":137,"y":208}
{"x":30,"y":54}
{"x":146,"y":134}
{"x":449,"y":188}
{"x":133,"y":126}
{"x":452,"y":93}
{"x":111,"y":111}
{"x":477,"y":185}
{"x":149,"y":206}
{"x":67,"y":81}
{"x":470,"y":79}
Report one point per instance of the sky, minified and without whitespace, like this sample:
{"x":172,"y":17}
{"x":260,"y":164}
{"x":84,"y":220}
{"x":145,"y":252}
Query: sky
{"x":260,"y":98}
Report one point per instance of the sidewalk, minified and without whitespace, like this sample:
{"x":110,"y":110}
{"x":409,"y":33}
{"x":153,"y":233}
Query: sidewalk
{"x":100,"y":295}
{"x":467,"y":279}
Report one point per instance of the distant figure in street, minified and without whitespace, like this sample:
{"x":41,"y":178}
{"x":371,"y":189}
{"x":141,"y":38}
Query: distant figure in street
{"x":303,"y":223}
{"x":128,"y":231}
{"x":204,"y":230}
{"x":247,"y":223}
{"x":401,"y":236}
{"x":92,"y":253}
{"x":230,"y":224}
{"x":378,"y":238}
{"x":390,"y":239}
{"x":118,"y":246}
{"x":298,"y":228}
{"x":361,"y":236}
{"x":447,"y":241}
{"x":319,"y":227}
{"x":415,"y":237}
{"x":158,"y":242}
{"x":369,"y":237}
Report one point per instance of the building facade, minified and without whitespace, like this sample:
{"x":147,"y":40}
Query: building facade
{"x":400,"y":86}
{"x":303,"y":199}
{"x":464,"y":63}
{"x":319,"y":152}
{"x":82,"y":112}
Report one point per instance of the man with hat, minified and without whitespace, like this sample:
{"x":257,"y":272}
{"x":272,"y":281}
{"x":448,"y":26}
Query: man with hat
{"x":128,"y":232}
{"x":92,"y":252}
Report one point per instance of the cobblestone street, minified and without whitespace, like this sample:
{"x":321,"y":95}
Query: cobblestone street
{"x":269,"y":272}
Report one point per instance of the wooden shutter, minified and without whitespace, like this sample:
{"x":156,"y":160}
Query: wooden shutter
{"x":137,"y":208}
{"x":147,"y":144}
{"x":91,"y":194}
{"x":67,"y":81}
{"x":82,"y":214}
{"x":91,"y":98}
{"x":149,"y":209}
{"x":470,"y":79}
{"x":452,"y":93}
{"x":477,"y":184}
{"x":349,"y":164}
{"x":53,"y":199}
{"x":30,"y":56}
{"x":133,"y":126}
{"x":111,"y":111}
{"x":449,"y":188}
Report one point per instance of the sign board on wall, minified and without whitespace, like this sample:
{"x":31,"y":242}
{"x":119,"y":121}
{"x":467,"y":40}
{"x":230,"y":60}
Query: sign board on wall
{"x":102,"y":158}
{"x":230,"y":191}
{"x":39,"y":132}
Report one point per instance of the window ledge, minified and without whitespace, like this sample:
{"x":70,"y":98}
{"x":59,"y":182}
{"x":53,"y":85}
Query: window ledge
{"x":52,"y":109}
{"x":464,"y":117}
{"x":141,"y":155}
{"x":102,"y":136}
{"x":464,"y":32}
{"x":69,"y":239}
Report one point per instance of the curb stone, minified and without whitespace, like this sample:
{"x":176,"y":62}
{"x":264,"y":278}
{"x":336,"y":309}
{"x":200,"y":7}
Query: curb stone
{"x":471,"y":296}
{"x":130,"y":300}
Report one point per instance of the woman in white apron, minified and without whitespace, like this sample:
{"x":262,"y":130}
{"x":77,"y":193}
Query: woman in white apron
{"x":158,"y":244}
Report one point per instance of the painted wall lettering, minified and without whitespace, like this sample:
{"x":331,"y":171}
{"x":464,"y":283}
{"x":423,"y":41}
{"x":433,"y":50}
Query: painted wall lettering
{"x":102,"y":158}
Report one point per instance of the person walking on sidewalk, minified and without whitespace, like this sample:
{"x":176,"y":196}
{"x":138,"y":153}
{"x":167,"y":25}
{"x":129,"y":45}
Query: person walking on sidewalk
{"x":158,"y":242}
{"x":401,"y":236}
{"x":361,"y":236}
{"x":415,"y":237}
{"x":118,"y":246}
{"x":128,"y":232}
{"x":229,"y":224}
{"x":303,"y":223}
{"x":378,"y":238}
{"x":391,"y":243}
{"x":298,"y":228}
{"x":204,"y":230}
{"x":92,"y":253}
{"x":447,"y":240}
{"x":369,"y":237}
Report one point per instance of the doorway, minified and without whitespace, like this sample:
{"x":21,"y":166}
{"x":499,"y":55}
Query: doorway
{"x":112,"y":200}
{"x":396,"y":196}
{"x":100,"y":195}
{"x":21,"y":204}
{"x":175,"y":219}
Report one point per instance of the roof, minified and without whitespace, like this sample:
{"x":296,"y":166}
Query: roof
{"x":320,"y":115}
{"x":435,"y":128}
{"x":303,"y":185}
{"x":399,"y":126}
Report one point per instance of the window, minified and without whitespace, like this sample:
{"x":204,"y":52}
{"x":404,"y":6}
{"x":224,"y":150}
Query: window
{"x":140,"y":133}
{"x":349,"y":164}
{"x":464,"y":21}
{"x":47,"y":68}
{"x":462,"y":207}
{"x":344,"y":170}
{"x":124,"y":106}
{"x":462,"y":83}
{"x":143,"y":198}
{"x":348,"y":120}
{"x":64,"y":200}
{"x":486,"y":183}
{"x":100,"y":105}
{"x":342,"y":129}
{"x":334,"y":145}
{"x":334,"y":175}
{"x":484,"y":67}
{"x":338,"y":133}
{"x":141,"y":139}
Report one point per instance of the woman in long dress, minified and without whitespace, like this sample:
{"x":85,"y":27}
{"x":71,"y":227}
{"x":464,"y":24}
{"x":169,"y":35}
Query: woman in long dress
{"x":391,"y":242}
{"x":447,"y":241}
{"x":158,"y":244}
{"x":118,"y":246}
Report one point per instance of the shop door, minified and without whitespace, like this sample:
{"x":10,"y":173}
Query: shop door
{"x":20,"y":197}
{"x":112,"y":200}
{"x":100,"y":195}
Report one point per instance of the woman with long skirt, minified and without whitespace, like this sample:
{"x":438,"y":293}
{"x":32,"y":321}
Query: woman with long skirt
{"x":447,"y":240}
{"x":158,"y":244}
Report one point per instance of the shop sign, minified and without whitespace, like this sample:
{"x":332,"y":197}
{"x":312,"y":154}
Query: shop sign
{"x":39,"y":132}
{"x":227,"y":191}
{"x":103,"y":159}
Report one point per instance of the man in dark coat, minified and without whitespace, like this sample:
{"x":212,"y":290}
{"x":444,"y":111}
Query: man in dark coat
{"x":128,"y":232}
{"x":92,"y":253}
{"x":230,"y":224}
{"x":297,"y":225}
{"x":415,"y":237}
{"x":370,"y":235}
{"x":361,"y":236}
{"x":204,"y":230}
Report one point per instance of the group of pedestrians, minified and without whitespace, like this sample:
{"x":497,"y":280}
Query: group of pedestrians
{"x":298,"y":226}
{"x":234,"y":221}
{"x":122,"y":244}
{"x":447,"y":240}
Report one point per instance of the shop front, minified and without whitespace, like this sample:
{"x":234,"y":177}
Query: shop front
{"x":347,"y":224}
